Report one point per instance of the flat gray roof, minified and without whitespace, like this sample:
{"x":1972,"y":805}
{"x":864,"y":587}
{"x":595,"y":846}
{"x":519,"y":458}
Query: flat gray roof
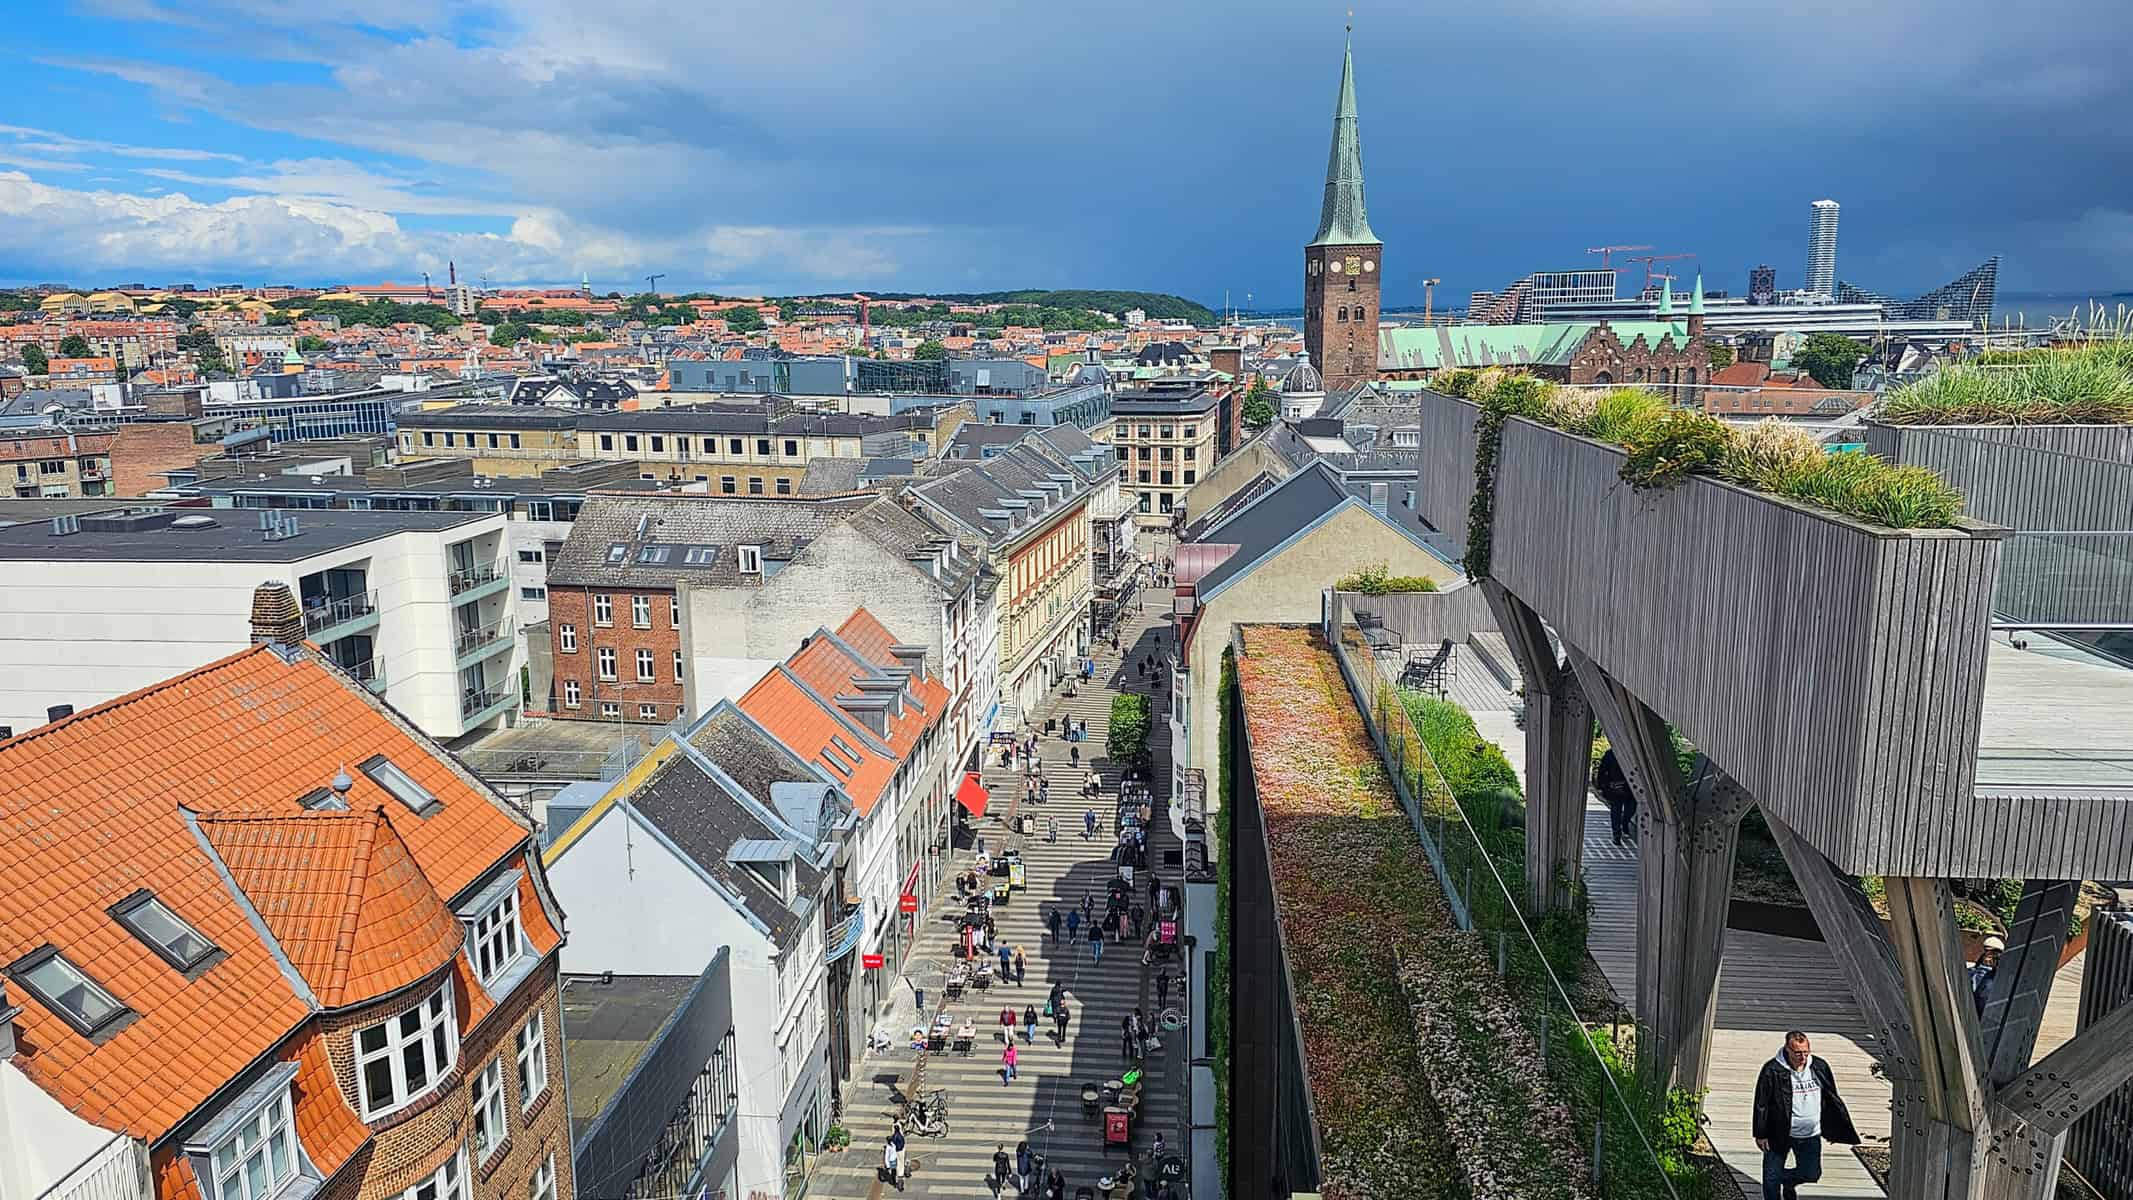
{"x":234,"y":537}
{"x":611,"y":1026}
{"x":2056,"y":718}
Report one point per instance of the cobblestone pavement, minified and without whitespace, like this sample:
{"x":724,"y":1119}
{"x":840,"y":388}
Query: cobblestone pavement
{"x":1043,"y":1105}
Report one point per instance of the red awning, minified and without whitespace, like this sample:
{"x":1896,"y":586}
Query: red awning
{"x":972,"y":794}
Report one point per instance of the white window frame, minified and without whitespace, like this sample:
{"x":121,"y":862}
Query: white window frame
{"x":603,"y":609}
{"x":437,"y":1031}
{"x":674,"y":610}
{"x":491,"y":1113}
{"x":677,"y":666}
{"x":606,"y":664}
{"x":543,"y":1185}
{"x":498,"y":935}
{"x":610,"y":710}
{"x":448,"y":1182}
{"x":257,"y":1136}
{"x":647,"y":712}
{"x":531,"y":1055}
{"x":749,"y":559}
{"x":647,"y":666}
{"x":571,"y":693}
{"x":640,"y":612}
{"x":567,"y":638}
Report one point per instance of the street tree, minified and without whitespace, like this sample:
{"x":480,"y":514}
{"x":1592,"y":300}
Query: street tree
{"x":1830,"y":358}
{"x":33,"y":359}
{"x":1259,"y":405}
{"x":929,"y":350}
{"x":74,"y":345}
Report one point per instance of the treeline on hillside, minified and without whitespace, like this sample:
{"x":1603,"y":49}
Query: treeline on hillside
{"x":374,"y":313}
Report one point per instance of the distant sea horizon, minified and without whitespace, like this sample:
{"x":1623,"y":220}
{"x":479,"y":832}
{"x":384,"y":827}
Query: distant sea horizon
{"x":2033,"y":309}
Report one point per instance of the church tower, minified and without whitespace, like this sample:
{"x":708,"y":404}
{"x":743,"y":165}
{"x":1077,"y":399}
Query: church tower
{"x":1344,"y":263}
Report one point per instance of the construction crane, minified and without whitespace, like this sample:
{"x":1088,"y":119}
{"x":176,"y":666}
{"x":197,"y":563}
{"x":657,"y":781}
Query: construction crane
{"x":1606,"y":253}
{"x":1649,"y":259}
{"x":651,"y":282}
{"x":1429,"y":297}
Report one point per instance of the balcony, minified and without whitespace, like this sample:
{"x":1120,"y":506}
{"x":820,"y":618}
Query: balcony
{"x":479,"y":706}
{"x":371,"y":673}
{"x":472,"y":645}
{"x":843,"y":937}
{"x":473,"y":583}
{"x":328,"y":620}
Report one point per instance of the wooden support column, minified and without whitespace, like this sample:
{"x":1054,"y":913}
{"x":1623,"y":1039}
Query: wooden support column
{"x":1962,"y":1130}
{"x":1558,"y":754}
{"x":1686,"y":839}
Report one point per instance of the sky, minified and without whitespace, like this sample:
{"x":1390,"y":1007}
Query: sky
{"x":930,"y":146}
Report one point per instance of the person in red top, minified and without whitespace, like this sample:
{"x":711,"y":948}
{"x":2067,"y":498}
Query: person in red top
{"x":1007,"y":1063}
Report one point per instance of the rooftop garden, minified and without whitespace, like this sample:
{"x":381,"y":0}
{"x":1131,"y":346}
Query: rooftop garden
{"x":2090,"y":384}
{"x":1667,"y":444}
{"x":1377,"y":579}
{"x":1424,"y":1081}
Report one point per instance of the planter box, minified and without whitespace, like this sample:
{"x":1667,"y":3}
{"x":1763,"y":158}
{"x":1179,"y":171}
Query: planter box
{"x":1834,"y":668}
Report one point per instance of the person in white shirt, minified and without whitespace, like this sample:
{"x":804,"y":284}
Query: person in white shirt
{"x":1797,"y":1108}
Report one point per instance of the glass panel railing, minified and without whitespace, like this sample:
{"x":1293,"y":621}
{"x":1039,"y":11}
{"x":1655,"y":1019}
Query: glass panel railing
{"x":474,"y":702}
{"x":470,"y":640}
{"x":325,"y":614}
{"x":468,"y":578}
{"x":2065,"y":579}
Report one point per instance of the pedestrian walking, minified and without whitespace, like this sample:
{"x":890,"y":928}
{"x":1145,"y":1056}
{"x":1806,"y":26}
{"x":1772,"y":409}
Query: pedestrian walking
{"x":1096,"y":943}
{"x":1007,"y":1024}
{"x":1051,"y":922}
{"x":1029,"y":1024}
{"x":1057,"y":998}
{"x":1797,"y":1109}
{"x":1007,"y":964}
{"x":1021,"y":967}
{"x":1025,"y":1168}
{"x":1982,"y":971}
{"x":1073,"y":923}
{"x":1051,"y":831}
{"x":1044,"y":790}
{"x":1007,"y":1062}
{"x":1140,"y":1033}
{"x":1088,"y":825}
{"x":1140,"y":918}
{"x":1088,"y":902}
{"x":1074,"y":757}
{"x":1000,"y":1167}
{"x":1060,"y":1016}
{"x":1130,"y":1039}
{"x":1162,"y":989}
{"x":1613,"y":786}
{"x":892,"y":1159}
{"x":1055,"y":1185}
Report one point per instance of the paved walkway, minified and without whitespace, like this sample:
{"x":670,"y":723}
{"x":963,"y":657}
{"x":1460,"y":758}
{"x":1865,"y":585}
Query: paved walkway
{"x":1043,"y":1105}
{"x":1767,"y":985}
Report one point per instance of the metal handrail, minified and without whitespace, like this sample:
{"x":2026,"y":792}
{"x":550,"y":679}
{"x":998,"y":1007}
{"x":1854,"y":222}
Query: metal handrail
{"x":474,"y":702}
{"x":474,"y":577}
{"x":335,"y":612}
{"x":470,"y":640}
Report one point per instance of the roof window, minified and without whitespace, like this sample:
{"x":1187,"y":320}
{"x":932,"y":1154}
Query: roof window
{"x":62,"y":987}
{"x":323,"y":800}
{"x":618,"y":551}
{"x":653,"y":554}
{"x":166,"y":933}
{"x":750,"y":559}
{"x":841,"y":745}
{"x":700,"y":556}
{"x":418,"y":799}
{"x":835,"y":764}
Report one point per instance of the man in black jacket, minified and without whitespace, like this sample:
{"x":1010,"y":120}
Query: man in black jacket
{"x":1796,"y":1109}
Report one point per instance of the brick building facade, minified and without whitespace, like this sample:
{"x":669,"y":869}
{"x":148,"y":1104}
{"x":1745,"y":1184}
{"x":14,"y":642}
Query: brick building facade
{"x":592,"y":628}
{"x":1344,"y":262}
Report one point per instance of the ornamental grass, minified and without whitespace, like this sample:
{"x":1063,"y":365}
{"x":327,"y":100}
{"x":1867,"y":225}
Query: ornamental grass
{"x":2087,"y":385}
{"x":1666,"y":444}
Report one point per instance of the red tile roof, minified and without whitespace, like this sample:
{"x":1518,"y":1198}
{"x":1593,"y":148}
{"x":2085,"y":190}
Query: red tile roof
{"x":90,"y":813}
{"x":798,"y":705}
{"x":342,"y":895}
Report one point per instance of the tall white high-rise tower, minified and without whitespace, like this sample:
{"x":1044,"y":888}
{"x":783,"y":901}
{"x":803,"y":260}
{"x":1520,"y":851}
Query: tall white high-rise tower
{"x":1822,"y":249}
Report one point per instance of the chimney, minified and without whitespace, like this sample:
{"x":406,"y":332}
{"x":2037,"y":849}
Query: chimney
{"x":275,"y":617}
{"x":1227,"y":359}
{"x":58,"y":712}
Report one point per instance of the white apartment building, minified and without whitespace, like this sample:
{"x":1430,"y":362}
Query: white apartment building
{"x":418,"y":605}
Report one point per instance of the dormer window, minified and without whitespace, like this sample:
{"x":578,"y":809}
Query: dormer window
{"x":418,"y":799}
{"x":498,"y":937}
{"x":176,"y":942}
{"x":402,"y":1058}
{"x":258,"y":1159}
{"x":750,"y":559}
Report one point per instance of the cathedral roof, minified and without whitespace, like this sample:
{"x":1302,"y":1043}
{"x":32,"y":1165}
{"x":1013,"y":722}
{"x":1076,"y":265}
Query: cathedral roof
{"x":1342,"y":220}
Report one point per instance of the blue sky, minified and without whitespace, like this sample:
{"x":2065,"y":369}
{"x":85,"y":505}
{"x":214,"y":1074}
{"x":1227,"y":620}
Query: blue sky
{"x":947,"y":146}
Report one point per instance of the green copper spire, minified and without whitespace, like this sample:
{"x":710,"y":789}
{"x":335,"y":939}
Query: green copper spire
{"x":1341,"y":222}
{"x":1666,"y":299}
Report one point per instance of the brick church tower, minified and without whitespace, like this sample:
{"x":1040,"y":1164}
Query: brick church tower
{"x":1344,"y":263}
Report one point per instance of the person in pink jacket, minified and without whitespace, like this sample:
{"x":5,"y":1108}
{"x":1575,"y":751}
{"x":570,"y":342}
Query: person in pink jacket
{"x":1007,"y":1064}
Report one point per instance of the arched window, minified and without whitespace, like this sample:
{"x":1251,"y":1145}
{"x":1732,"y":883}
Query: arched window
{"x":1639,"y":376}
{"x":1692,"y":377}
{"x":1604,"y":377}
{"x":1344,"y":312}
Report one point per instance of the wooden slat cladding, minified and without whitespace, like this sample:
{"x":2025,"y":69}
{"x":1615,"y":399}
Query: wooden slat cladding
{"x":1445,"y":480}
{"x":1834,"y":669}
{"x":2036,"y":479}
{"x":2101,"y":1145}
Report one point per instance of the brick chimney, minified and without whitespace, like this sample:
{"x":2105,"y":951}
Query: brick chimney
{"x":1227,"y":359}
{"x":275,"y":615}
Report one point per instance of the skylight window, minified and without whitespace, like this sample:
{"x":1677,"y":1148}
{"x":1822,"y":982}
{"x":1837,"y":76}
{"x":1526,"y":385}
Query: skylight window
{"x":700,"y":556}
{"x":403,"y":786}
{"x":166,"y":933}
{"x":839,"y":743}
{"x":654,"y":554}
{"x":63,"y":988}
{"x":618,"y":551}
{"x":323,"y":800}
{"x":835,"y":764}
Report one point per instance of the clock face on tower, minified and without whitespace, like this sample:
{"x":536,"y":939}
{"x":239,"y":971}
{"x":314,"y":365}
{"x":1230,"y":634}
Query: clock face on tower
{"x":1354,"y":264}
{"x":1334,"y":267}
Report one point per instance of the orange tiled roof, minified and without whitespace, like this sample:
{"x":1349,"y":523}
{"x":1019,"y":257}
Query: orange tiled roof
{"x":342,"y":895}
{"x":89,"y":814}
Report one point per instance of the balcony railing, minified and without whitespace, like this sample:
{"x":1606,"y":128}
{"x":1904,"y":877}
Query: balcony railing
{"x":843,"y":937}
{"x":372,"y":673}
{"x":470,"y":640}
{"x":117,"y":1171}
{"x":474,"y":702}
{"x":468,"y":579}
{"x":329,"y":613}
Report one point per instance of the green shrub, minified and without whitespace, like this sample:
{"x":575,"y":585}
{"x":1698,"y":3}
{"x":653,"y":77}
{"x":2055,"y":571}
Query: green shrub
{"x":1771,"y":455}
{"x":1377,"y":580}
{"x":1126,"y":740}
{"x":2090,"y":385}
{"x":1678,"y":443}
